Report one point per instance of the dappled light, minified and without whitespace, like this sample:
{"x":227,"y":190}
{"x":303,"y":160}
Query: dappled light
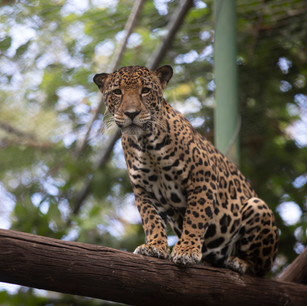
{"x":49,"y":53}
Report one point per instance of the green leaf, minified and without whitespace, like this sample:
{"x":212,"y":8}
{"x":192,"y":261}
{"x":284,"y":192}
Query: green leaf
{"x":5,"y":44}
{"x":22,"y":49}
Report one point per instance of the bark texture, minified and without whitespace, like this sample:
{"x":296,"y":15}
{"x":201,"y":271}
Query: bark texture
{"x":105,"y":273}
{"x":297,"y":271}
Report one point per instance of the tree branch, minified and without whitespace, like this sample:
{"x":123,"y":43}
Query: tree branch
{"x":13,"y":130}
{"x":102,"y":160}
{"x":172,"y":28}
{"x":297,"y":271}
{"x":7,"y":142}
{"x":100,"y":272}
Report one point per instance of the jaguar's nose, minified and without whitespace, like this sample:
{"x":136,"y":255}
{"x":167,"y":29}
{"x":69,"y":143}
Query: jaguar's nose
{"x":132,"y":115}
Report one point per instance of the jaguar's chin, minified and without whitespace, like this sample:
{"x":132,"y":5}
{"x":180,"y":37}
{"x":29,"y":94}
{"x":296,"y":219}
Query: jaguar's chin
{"x":133,"y":130}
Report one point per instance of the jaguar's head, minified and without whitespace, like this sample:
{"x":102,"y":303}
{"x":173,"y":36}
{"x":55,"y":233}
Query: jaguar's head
{"x":134,"y":95}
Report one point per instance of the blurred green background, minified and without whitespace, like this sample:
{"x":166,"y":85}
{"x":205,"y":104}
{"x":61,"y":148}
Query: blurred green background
{"x":49,"y":52}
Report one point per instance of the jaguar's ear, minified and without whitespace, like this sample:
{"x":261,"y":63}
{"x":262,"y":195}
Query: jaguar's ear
{"x":100,"y":80}
{"x":164,"y":74}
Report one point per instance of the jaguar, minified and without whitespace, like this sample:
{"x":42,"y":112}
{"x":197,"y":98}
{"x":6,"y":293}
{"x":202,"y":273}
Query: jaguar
{"x":180,"y":179}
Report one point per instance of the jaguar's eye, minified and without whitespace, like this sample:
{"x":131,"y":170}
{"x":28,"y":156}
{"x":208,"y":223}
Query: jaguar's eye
{"x":145,"y":90}
{"x":117,"y":91}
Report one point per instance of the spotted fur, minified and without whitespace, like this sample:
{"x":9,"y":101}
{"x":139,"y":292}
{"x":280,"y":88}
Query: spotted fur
{"x":181,"y":179}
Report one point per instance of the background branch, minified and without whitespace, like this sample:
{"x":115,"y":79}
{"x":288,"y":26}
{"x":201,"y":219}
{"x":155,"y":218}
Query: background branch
{"x":297,"y":271}
{"x":13,"y":130}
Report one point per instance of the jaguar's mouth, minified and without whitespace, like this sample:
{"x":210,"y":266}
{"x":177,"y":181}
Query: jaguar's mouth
{"x":132,"y":129}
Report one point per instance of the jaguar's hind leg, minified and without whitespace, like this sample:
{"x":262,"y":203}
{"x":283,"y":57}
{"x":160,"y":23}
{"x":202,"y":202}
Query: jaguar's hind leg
{"x":257,"y":245}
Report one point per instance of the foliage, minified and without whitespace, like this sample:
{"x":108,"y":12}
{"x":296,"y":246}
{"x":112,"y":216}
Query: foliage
{"x":49,"y":52}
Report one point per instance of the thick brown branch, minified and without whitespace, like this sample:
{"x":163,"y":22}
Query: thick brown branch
{"x":105,"y":273}
{"x":297,"y":271}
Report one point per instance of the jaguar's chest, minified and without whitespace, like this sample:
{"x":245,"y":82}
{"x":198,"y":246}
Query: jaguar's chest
{"x":161,"y":176}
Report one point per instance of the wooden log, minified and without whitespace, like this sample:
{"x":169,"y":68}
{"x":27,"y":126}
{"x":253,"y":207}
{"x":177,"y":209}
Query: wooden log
{"x":105,"y":273}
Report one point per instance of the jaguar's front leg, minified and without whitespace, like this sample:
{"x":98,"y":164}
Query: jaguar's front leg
{"x":188,"y":249}
{"x":155,"y":231}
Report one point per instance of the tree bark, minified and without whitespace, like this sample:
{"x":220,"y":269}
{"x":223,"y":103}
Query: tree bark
{"x":297,"y":271}
{"x":105,"y":273}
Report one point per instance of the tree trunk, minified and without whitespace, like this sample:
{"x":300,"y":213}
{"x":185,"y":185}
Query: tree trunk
{"x":105,"y":273}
